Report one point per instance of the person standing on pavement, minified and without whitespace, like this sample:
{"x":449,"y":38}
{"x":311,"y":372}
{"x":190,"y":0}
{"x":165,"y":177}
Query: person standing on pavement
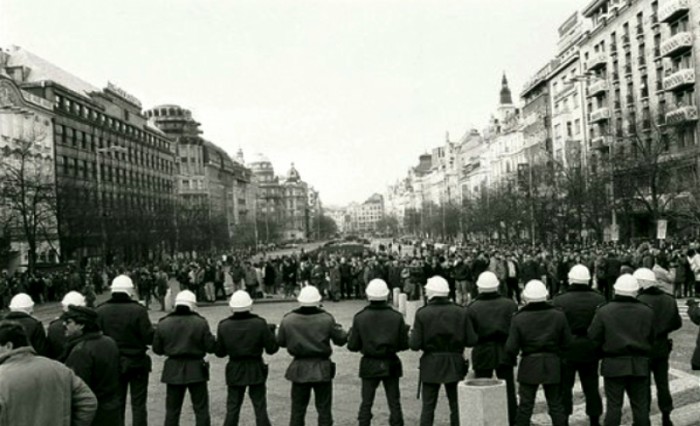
{"x":463,"y":283}
{"x":623,"y":329}
{"x":490,"y":314}
{"x":666,"y":320}
{"x":243,"y":337}
{"x":579,"y":303}
{"x":21,"y":310}
{"x":184,"y":337}
{"x":94,"y":357}
{"x":441,"y":330}
{"x":540,"y":332}
{"x":56,"y":332}
{"x":307,"y":333}
{"x":38,"y":391}
{"x":379,"y":332}
{"x":126,"y":321}
{"x":694,"y":314}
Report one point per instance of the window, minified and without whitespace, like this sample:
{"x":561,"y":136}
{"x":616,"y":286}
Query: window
{"x":569,"y":130}
{"x":577,"y":126}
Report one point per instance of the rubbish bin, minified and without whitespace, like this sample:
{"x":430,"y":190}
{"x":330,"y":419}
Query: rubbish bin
{"x":482,"y":402}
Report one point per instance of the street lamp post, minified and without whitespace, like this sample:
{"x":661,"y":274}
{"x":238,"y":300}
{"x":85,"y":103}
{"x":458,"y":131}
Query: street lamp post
{"x":100,"y":198}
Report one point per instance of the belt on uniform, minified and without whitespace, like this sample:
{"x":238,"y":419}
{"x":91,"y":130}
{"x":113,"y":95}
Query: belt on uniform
{"x":245,"y":358}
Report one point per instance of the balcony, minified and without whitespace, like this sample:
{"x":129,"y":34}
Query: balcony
{"x":628,"y":69}
{"x":599,"y":87}
{"x":654,"y":20}
{"x":661,"y":119}
{"x":600,"y":114}
{"x":598,"y":60}
{"x":679,"y":79}
{"x":682,"y":115}
{"x":659,"y":86}
{"x":617,"y":106}
{"x":673,"y":9}
{"x":657,"y":52}
{"x":625,"y":39}
{"x":640,"y":30}
{"x":630,"y":100}
{"x":677,"y":44}
{"x":642,"y":62}
{"x":644,"y":93}
{"x":600,"y":142}
{"x":615,"y":76}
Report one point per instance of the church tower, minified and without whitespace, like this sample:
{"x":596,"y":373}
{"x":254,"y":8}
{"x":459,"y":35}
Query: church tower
{"x":505,"y":106}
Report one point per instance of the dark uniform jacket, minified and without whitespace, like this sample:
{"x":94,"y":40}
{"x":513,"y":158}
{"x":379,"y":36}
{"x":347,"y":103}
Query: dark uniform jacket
{"x":184,"y":337}
{"x":33,"y":328}
{"x":442,"y":330}
{"x":540,"y":331}
{"x":694,"y":314}
{"x":624,"y":330}
{"x":379,"y":332}
{"x":307,"y":333}
{"x":127,"y":322}
{"x":579,"y":303}
{"x":490,"y":315}
{"x":242,"y":337}
{"x":95,"y":358}
{"x":56,"y":339}
{"x":666,"y":319}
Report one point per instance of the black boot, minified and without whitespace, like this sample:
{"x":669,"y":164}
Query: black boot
{"x":666,"y":419}
{"x":595,"y":421}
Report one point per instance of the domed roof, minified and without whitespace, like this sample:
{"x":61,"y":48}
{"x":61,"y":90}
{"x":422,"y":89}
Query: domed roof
{"x":259,"y":158}
{"x":261,"y":164}
{"x":293,"y":175}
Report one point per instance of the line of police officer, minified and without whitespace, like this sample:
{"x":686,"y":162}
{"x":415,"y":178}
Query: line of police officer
{"x":554,"y":339}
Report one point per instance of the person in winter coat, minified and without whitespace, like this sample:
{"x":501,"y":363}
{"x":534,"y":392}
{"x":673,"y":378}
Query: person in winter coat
{"x":126,"y":321}
{"x":490,"y":314}
{"x":242,"y":338}
{"x":184,"y":337}
{"x":694,"y":314}
{"x":94,"y":357}
{"x":56,"y":332}
{"x":251,"y":279}
{"x":579,"y":303}
{"x":441,"y":330}
{"x":21,"y":310}
{"x":307,"y":333}
{"x":379,"y":332}
{"x":623,"y":329}
{"x":334,"y":281}
{"x":38,"y":391}
{"x":666,"y":320}
{"x":540,"y":332}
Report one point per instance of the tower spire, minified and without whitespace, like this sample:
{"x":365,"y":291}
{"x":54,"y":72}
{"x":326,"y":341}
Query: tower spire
{"x":506,"y":97}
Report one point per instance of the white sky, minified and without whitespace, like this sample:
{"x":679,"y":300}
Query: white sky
{"x":350,"y":91}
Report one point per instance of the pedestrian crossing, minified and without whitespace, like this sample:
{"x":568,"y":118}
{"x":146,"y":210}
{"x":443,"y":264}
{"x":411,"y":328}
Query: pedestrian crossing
{"x":684,"y":387}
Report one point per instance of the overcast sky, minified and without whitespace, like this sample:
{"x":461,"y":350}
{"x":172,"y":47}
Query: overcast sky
{"x":350,"y":91}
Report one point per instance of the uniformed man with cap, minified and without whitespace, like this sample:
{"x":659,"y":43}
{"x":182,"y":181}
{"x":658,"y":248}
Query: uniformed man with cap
{"x":666,"y":320}
{"x":379,"y":332}
{"x":540,"y":332}
{"x":184,"y":337}
{"x":56,"y":332}
{"x":442,"y":329}
{"x":21,"y":310}
{"x":624,"y":330}
{"x":243,"y":337}
{"x":307,"y":333}
{"x":490,"y":314}
{"x":579,"y":302}
{"x":94,"y":358}
{"x":126,"y":321}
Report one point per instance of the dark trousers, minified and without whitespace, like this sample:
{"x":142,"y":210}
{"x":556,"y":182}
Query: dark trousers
{"x":393,"y":399}
{"x":301,"y":394}
{"x":429,"y":395}
{"x":605,"y":287}
{"x":588,"y":374}
{"x":107,"y":417}
{"x":513,"y":288}
{"x":345,"y":288}
{"x":175,"y":396}
{"x":659,"y":369}
{"x":234,"y":402}
{"x":552,"y":394}
{"x":504,"y":372}
{"x":637,"y":389}
{"x":137,"y":383}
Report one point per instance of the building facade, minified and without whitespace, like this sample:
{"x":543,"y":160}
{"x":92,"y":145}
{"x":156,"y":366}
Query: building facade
{"x":109,"y":160}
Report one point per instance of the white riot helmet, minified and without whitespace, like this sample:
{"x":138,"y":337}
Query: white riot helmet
{"x":487,"y":282}
{"x":73,"y":298}
{"x":21,"y":302}
{"x":186,"y":298}
{"x":579,"y":274}
{"x":309,"y":296}
{"x":377,"y":290}
{"x":122,"y":284}
{"x":626,"y":285}
{"x":437,"y":287}
{"x":535,"y":291}
{"x":240,"y":301}
{"x":645,"y":277}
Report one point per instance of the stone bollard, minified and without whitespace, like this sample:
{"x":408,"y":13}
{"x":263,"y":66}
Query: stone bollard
{"x":395,"y":296}
{"x":482,"y":402}
{"x":411,"y":307}
{"x":402,"y":303}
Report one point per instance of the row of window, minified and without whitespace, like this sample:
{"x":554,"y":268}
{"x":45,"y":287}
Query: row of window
{"x":121,"y":200}
{"x":77,"y":109}
{"x":88,"y":170}
{"x":132,"y":153}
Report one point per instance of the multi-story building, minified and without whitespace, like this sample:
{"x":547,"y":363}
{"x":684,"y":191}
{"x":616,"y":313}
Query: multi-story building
{"x":27,"y":146}
{"x":114,"y":169}
{"x":212,"y":188}
{"x":365,"y":217}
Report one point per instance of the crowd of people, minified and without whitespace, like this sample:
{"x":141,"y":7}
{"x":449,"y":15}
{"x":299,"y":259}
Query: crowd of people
{"x":504,"y":302}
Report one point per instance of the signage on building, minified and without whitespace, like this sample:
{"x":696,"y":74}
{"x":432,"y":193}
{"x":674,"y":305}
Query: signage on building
{"x":615,"y":232}
{"x":661,"y":226}
{"x":116,"y":90}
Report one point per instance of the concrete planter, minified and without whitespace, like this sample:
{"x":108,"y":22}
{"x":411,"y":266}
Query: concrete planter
{"x":482,"y":402}
{"x":411,"y":307}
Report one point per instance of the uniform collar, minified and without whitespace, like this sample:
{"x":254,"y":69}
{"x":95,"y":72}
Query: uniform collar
{"x":537,"y":306}
{"x":19,"y":352}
